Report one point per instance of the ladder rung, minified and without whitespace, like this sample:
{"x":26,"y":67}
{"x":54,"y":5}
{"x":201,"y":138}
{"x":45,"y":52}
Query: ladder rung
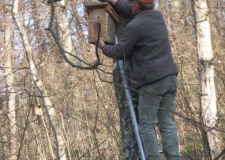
{"x":134,"y":99}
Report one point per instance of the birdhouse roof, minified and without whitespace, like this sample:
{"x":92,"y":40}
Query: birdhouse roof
{"x":106,"y":5}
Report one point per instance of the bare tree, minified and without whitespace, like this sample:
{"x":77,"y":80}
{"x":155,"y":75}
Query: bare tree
{"x":63,"y":27}
{"x":207,"y":90}
{"x":46,"y":100}
{"x":9,"y":81}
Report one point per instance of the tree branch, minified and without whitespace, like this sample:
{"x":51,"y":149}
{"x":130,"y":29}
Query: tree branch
{"x":62,"y":51}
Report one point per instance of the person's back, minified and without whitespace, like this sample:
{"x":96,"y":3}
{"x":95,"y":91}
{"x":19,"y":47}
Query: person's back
{"x":151,"y":54}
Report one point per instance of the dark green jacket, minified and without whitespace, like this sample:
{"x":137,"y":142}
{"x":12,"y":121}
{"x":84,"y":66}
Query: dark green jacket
{"x":145,"y":41}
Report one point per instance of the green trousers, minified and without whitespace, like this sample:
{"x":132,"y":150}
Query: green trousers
{"x":156,"y":104}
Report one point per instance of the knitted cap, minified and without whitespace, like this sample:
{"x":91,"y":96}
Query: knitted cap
{"x":145,"y":1}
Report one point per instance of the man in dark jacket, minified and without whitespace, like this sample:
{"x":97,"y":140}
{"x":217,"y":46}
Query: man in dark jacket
{"x":153,"y":73}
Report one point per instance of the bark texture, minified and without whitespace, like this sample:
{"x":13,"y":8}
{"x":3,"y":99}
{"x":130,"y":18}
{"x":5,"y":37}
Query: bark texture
{"x":208,"y":108}
{"x":9,"y":82}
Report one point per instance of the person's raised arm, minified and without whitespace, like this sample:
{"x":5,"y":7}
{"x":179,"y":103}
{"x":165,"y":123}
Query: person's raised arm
{"x":122,"y":8}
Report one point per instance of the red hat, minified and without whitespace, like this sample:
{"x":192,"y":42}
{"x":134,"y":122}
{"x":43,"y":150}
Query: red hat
{"x":145,"y":1}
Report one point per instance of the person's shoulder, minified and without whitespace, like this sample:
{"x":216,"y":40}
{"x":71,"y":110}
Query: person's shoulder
{"x":151,"y":13}
{"x":142,"y":17}
{"x":157,"y":13}
{"x":154,"y":12}
{"x":133,"y":24}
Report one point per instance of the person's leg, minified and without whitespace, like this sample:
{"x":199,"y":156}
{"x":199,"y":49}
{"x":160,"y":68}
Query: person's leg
{"x":147,"y":110}
{"x":166,"y":121}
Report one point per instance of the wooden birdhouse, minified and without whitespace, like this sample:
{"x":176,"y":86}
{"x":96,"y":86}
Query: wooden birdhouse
{"x":36,"y":110}
{"x":103,"y":14}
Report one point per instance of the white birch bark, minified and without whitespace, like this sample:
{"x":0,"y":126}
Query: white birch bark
{"x":206,"y":75}
{"x":9,"y":81}
{"x":41,"y":46}
{"x":46,"y":100}
{"x":175,"y":8}
{"x":64,"y":28}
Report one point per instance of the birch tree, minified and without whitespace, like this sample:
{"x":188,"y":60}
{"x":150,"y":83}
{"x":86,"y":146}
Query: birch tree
{"x":9,"y":81}
{"x":64,"y":27}
{"x":46,"y":100}
{"x":175,"y":8}
{"x":208,"y":109}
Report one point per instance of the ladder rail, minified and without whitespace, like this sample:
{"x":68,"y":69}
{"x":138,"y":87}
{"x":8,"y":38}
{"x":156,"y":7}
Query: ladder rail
{"x":131,"y":108}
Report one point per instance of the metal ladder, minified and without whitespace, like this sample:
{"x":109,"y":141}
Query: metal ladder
{"x":131,"y":108}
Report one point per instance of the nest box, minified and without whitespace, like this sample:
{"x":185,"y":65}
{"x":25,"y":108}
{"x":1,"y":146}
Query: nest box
{"x":36,"y":110}
{"x":103,"y":14}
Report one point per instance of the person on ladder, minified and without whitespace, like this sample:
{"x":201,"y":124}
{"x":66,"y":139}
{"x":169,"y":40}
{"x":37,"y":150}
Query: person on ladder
{"x":153,"y":72}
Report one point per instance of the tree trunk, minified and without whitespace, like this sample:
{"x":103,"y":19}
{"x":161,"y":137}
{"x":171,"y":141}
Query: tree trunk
{"x":46,"y":100}
{"x":40,"y":38}
{"x":208,"y":109}
{"x":129,"y":143}
{"x":175,"y":8}
{"x":9,"y":80}
{"x":64,"y":29}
